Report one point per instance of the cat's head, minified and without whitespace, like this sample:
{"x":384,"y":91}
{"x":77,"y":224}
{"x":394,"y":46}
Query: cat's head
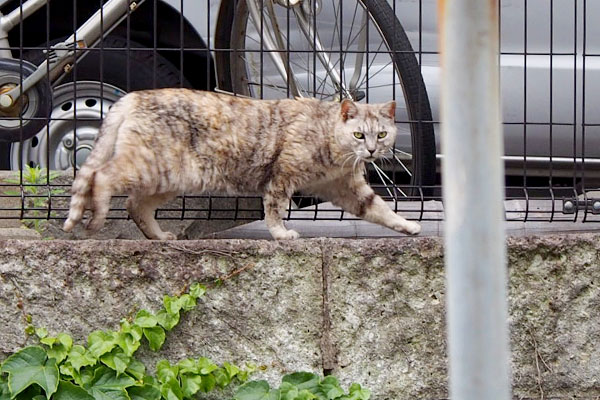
{"x":367,"y":130}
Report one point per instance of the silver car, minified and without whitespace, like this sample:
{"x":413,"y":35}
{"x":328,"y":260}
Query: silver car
{"x":367,"y":50}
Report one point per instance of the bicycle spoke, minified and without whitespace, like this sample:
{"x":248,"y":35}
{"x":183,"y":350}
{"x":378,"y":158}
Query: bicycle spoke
{"x":375,"y":74}
{"x":269,"y":82}
{"x":359,"y":56}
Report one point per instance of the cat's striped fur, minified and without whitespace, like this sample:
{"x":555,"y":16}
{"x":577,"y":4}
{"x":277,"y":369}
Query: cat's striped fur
{"x":154,"y":145}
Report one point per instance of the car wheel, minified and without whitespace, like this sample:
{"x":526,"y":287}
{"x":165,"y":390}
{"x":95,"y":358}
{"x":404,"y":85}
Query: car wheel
{"x":79,"y":105}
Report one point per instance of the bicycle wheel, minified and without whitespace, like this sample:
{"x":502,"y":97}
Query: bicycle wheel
{"x":357,"y":51}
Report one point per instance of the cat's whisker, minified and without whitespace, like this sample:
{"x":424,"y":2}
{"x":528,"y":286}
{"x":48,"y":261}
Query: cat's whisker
{"x":386,"y":160}
{"x":349,"y":156}
{"x":356,"y":164}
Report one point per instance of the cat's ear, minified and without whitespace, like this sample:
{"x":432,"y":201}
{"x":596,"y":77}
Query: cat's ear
{"x":388,"y":110}
{"x":349,"y":109}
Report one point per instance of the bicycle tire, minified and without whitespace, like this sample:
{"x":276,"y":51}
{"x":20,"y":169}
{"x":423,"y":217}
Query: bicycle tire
{"x":406,"y":66}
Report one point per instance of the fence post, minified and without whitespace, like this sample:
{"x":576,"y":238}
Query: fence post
{"x":473,"y":175}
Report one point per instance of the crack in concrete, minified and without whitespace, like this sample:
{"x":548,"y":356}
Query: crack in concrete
{"x":328,"y":349}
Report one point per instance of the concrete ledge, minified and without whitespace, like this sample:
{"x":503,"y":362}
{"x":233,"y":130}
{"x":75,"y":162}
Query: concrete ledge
{"x":370,"y":311}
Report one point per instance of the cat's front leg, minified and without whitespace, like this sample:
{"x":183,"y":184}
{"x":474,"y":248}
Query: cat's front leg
{"x":275,"y":204}
{"x":379,"y":213}
{"x":354,"y":195}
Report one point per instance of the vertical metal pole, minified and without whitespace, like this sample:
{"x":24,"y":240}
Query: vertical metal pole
{"x":473,"y":176}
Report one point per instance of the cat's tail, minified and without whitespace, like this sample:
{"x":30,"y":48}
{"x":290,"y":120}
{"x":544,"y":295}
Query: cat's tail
{"x":103,"y":151}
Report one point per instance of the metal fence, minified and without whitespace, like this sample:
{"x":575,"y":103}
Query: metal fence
{"x":367,"y":50}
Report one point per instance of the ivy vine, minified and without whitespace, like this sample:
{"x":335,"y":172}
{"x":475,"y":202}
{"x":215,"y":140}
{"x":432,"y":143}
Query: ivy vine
{"x":106,"y":369}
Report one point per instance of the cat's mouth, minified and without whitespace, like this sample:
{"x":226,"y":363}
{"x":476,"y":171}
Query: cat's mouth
{"x":369,"y":159}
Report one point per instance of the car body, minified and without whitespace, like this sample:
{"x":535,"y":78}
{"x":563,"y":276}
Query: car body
{"x":549,"y":75}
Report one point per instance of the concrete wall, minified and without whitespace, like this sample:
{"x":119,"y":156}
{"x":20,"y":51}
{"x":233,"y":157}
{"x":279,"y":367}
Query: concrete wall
{"x":370,"y":311}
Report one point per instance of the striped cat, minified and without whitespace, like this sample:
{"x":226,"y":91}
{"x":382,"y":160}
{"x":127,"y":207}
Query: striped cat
{"x":157,"y":144}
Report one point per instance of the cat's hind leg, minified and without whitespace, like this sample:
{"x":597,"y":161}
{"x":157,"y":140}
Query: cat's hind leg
{"x":103,"y":187}
{"x":141,"y":208}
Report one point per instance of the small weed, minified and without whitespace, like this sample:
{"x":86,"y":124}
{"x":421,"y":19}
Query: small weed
{"x":36,"y":195}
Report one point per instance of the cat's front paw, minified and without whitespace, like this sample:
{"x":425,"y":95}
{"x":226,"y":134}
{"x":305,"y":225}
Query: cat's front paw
{"x":409,"y":227}
{"x":285,"y":234}
{"x":167,"y":236}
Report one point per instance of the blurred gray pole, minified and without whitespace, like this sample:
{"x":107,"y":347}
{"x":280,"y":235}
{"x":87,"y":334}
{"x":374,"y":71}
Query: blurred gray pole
{"x":473,"y":176}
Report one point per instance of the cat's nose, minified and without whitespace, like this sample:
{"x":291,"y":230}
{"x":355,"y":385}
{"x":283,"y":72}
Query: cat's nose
{"x":371,"y":151}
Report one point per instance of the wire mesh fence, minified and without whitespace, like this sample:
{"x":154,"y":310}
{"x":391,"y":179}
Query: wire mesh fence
{"x":64,"y":63}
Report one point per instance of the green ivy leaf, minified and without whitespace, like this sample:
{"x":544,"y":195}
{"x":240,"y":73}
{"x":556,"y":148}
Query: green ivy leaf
{"x":150,"y":380}
{"x":59,"y":347}
{"x":208,"y":383}
{"x":171,"y":304}
{"x":79,"y":357}
{"x":257,"y":390}
{"x":187,"y":366}
{"x":358,"y":393}
{"x":68,"y":370}
{"x":129,"y":337}
{"x":135,"y":331}
{"x":244,"y":374}
{"x":197,"y":290}
{"x":165,"y":371}
{"x":146,"y":392}
{"x":136,"y":369}
{"x":171,"y":390}
{"x":41,"y":332}
{"x":116,"y":360}
{"x":109,"y":394}
{"x":107,"y":385}
{"x":127,"y":343}
{"x":206,"y":366}
{"x":330,"y":388}
{"x":187,"y":302}
{"x":305,"y":395}
{"x":31,"y":393}
{"x":100,"y":343}
{"x":31,"y":366}
{"x":191,"y":384}
{"x":65,"y":340}
{"x":4,"y":392}
{"x":303,"y":380}
{"x":231,"y":370}
{"x":288,"y":391}
{"x":221,"y":377}
{"x":167,"y":320}
{"x":156,"y":337}
{"x":145,"y":319}
{"x":68,"y":391}
{"x":86,"y":376}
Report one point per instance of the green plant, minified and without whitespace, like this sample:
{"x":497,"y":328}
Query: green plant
{"x":106,"y":368}
{"x":36,"y":195}
{"x":301,"y":386}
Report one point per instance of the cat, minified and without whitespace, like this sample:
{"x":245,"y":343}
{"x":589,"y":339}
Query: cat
{"x":156,"y":144}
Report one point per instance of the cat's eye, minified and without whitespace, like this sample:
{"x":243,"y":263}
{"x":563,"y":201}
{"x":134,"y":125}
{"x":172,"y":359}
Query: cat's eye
{"x":359,"y":135}
{"x":382,"y":134}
